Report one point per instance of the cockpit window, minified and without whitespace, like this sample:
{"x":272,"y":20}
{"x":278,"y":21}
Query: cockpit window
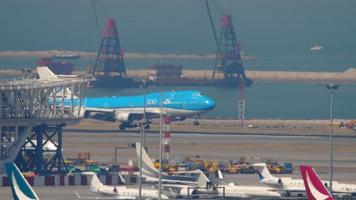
{"x":197,"y":94}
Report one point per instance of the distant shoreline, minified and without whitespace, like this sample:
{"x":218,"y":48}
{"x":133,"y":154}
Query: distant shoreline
{"x":348,"y":76}
{"x":86,"y":54}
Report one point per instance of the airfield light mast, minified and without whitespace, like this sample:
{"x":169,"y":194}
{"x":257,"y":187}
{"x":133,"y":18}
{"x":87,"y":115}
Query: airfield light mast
{"x":331,"y":88}
{"x":241,"y":103}
{"x":160,"y":148}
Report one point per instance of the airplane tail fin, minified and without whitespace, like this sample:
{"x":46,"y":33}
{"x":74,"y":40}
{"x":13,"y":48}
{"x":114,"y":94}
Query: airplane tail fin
{"x":203,"y":180}
{"x":260,"y":176}
{"x":21,"y":189}
{"x":263,"y":171}
{"x":122,"y":178}
{"x":94,"y":181}
{"x":315,"y":188}
{"x":220,"y":175}
{"x":147,"y":166}
{"x":45,"y":73}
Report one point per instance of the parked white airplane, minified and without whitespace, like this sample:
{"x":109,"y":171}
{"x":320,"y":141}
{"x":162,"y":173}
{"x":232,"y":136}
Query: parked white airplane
{"x":192,"y":178}
{"x":119,"y":192}
{"x":230,"y":190}
{"x":22,"y":190}
{"x":188,"y":184}
{"x":201,"y":185}
{"x":291,"y":185}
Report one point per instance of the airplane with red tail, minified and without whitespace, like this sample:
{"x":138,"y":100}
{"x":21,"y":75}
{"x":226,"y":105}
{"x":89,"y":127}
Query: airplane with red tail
{"x":315,"y":188}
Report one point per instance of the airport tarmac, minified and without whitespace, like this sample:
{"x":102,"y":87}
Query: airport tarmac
{"x":69,"y":192}
{"x":53,"y":193}
{"x":311,"y":150}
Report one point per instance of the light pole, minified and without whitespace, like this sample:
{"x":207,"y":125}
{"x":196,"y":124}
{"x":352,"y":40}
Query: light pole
{"x":160,"y":149}
{"x":331,"y":88}
{"x":144,"y":114}
{"x":142,"y":139}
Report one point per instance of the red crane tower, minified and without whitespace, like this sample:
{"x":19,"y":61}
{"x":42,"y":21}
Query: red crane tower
{"x":228,"y":57}
{"x":229,"y":62}
{"x":110,"y":57}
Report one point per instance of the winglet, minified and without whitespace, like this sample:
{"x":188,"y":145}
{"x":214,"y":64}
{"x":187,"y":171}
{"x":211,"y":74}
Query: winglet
{"x":316,"y":190}
{"x":21,"y":189}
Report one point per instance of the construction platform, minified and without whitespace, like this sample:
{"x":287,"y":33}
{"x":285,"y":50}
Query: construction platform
{"x":33,"y":111}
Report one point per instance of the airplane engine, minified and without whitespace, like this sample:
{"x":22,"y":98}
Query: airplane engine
{"x":89,"y":114}
{"x":122,"y":116}
{"x":98,"y":116}
{"x":179,"y":118}
{"x":280,"y":181}
{"x":189,"y":191}
{"x":82,"y":113}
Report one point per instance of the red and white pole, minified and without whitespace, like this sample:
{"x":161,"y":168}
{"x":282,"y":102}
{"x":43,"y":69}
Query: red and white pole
{"x":166,"y":137}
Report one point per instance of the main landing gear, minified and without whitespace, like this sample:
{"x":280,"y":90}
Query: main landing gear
{"x":195,"y":121}
{"x":135,"y":124}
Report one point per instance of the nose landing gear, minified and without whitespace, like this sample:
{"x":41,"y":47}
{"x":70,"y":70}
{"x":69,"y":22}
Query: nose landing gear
{"x":195,"y":121}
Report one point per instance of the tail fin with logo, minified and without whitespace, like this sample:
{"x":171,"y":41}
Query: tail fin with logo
{"x":21,"y":189}
{"x":263,"y":171}
{"x":316,"y":190}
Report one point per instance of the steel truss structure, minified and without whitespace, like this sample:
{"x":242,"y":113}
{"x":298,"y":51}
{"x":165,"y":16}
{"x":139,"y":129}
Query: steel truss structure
{"x":228,"y":56}
{"x":110,"y":57}
{"x":36,"y":157}
{"x":28,"y":107}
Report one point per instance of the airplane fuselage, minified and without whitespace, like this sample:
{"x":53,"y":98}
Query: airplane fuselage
{"x":123,"y":192}
{"x":297,"y":185}
{"x":238,"y":191}
{"x":129,"y":110}
{"x":173,"y":103}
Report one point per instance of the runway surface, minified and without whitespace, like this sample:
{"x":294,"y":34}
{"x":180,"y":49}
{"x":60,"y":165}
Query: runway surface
{"x":297,"y":149}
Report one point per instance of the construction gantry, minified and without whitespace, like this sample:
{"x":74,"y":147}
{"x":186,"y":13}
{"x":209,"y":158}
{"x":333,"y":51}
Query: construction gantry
{"x":29,"y":110}
{"x":110,"y":57}
{"x":228,"y":56}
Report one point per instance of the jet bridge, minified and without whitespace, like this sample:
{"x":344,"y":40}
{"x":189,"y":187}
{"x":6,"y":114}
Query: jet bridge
{"x":32,"y":114}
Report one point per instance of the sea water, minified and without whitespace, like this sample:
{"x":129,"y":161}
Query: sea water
{"x":277,"y":33}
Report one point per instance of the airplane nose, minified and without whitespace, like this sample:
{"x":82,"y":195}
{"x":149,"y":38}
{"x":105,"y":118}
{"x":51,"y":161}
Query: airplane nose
{"x":209,"y":103}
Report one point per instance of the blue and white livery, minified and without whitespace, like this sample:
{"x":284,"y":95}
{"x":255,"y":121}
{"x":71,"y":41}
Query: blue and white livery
{"x":129,"y":110}
{"x":21,"y":189}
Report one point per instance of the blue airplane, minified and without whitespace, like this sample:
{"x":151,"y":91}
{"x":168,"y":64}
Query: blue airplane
{"x":129,"y":110}
{"x":20,"y":188}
